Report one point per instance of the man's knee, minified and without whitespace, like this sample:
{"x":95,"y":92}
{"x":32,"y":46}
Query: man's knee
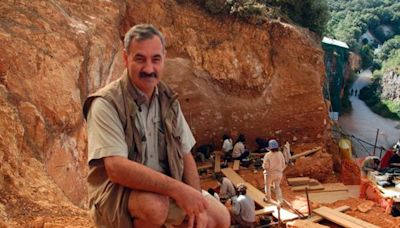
{"x":149,"y":207}
{"x":218,"y":214}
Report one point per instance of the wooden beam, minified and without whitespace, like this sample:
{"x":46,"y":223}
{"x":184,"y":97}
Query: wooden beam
{"x":310,"y":188}
{"x":266,"y":210}
{"x":342,"y":219}
{"x":294,"y":157}
{"x":236,"y":165}
{"x":217,"y":164}
{"x":313,"y":182}
{"x":204,"y":166}
{"x":317,"y":218}
{"x":258,"y":196}
{"x":233,"y":176}
{"x":305,"y":223}
{"x":328,"y":197}
{"x":296,"y":181}
{"x":333,"y":187}
{"x":328,"y":187}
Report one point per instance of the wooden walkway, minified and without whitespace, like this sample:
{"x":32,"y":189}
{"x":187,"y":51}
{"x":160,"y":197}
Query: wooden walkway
{"x":258,"y":196}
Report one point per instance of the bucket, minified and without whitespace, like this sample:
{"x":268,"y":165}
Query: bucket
{"x":345,"y":148}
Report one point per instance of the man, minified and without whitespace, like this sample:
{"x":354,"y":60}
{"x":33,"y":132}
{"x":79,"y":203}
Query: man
{"x":395,"y":159}
{"x":239,"y":149}
{"x":243,"y":208}
{"x":141,"y":171}
{"x":274,"y":165}
{"x":370,"y":163}
{"x":226,"y":190}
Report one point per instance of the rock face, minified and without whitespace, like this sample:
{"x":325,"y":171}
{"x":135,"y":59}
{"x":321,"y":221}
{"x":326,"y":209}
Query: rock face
{"x":390,"y":85}
{"x":231,"y":76}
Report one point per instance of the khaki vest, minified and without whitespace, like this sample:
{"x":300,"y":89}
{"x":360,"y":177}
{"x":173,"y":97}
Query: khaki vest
{"x":120,"y":94}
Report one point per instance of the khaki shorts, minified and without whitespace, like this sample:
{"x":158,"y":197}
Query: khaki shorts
{"x":113,"y":212}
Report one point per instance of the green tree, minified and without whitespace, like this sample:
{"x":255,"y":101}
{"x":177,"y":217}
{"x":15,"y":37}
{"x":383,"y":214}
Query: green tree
{"x":367,"y":56}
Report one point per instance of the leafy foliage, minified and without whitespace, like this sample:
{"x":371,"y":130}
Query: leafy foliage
{"x":371,"y":97}
{"x":364,"y":25}
{"x":351,"y":18}
{"x":312,"y":14}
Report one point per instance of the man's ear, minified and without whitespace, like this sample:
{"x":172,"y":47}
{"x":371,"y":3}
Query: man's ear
{"x":125,"y":57}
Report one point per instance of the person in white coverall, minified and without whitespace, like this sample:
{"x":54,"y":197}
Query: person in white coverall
{"x":273,"y":165}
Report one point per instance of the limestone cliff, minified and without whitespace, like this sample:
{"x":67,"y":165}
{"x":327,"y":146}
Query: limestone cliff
{"x":390,"y":85}
{"x":231,"y":76}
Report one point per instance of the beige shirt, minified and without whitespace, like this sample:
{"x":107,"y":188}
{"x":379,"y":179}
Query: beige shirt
{"x":227,"y":145}
{"x":226,"y":190}
{"x":106,"y":134}
{"x":244,"y":207}
{"x":238,"y":150}
{"x":274,"y":162}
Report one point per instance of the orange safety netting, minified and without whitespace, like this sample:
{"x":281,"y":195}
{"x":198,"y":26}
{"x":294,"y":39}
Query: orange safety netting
{"x":350,"y":173}
{"x":369,"y":191}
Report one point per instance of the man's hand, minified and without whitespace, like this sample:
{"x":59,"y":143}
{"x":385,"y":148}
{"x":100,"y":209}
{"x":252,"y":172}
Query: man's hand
{"x":190,"y":200}
{"x":199,"y":220}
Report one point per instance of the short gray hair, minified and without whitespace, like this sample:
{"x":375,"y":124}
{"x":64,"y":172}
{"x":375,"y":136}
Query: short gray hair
{"x":142,"y":32}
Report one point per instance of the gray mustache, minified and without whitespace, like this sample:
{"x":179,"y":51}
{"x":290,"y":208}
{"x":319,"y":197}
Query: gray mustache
{"x":148,"y":75}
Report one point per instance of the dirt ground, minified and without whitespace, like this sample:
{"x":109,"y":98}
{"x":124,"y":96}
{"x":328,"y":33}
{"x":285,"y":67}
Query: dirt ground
{"x":24,"y":212}
{"x":376,"y":215}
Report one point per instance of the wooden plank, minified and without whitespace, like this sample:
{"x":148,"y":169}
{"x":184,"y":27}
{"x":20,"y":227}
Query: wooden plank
{"x":217,"y":164}
{"x":204,"y":166}
{"x":305,"y":223}
{"x":256,"y":195}
{"x":259,"y":196}
{"x":313,"y":182}
{"x":296,"y":181}
{"x":266,"y":210}
{"x":329,"y":187}
{"x":285,"y":215}
{"x":236,"y":165}
{"x":342,"y":219}
{"x":294,"y":157}
{"x":310,"y":188}
{"x":328,"y":197}
{"x":317,"y":218}
{"x":233,"y":176}
{"x":333,"y":187}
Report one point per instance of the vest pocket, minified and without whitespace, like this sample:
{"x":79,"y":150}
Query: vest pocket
{"x":162,"y":150}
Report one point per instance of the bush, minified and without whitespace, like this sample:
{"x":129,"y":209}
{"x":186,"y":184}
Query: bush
{"x":371,"y":98}
{"x":250,"y":10}
{"x":215,"y":6}
{"x":313,"y":14}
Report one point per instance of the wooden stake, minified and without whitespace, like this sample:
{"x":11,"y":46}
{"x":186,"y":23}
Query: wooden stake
{"x":308,"y":204}
{"x":376,"y":140}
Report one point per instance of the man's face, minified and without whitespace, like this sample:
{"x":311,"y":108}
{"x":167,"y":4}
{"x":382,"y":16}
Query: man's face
{"x":145,"y":62}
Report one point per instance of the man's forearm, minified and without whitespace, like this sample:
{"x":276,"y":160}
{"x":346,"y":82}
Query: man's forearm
{"x":190,"y":174}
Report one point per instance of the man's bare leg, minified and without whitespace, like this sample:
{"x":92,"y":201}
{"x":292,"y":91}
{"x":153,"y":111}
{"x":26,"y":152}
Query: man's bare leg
{"x":217,"y":215}
{"x":151,"y":210}
{"x":148,"y":209}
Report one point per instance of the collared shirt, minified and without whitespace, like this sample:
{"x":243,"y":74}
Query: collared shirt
{"x":149,"y":121}
{"x":106,"y":135}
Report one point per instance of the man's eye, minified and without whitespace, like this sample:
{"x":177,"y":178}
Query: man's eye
{"x":139,"y":60}
{"x":157,"y":60}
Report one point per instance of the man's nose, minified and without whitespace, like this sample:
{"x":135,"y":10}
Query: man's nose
{"x":148,"y":67}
